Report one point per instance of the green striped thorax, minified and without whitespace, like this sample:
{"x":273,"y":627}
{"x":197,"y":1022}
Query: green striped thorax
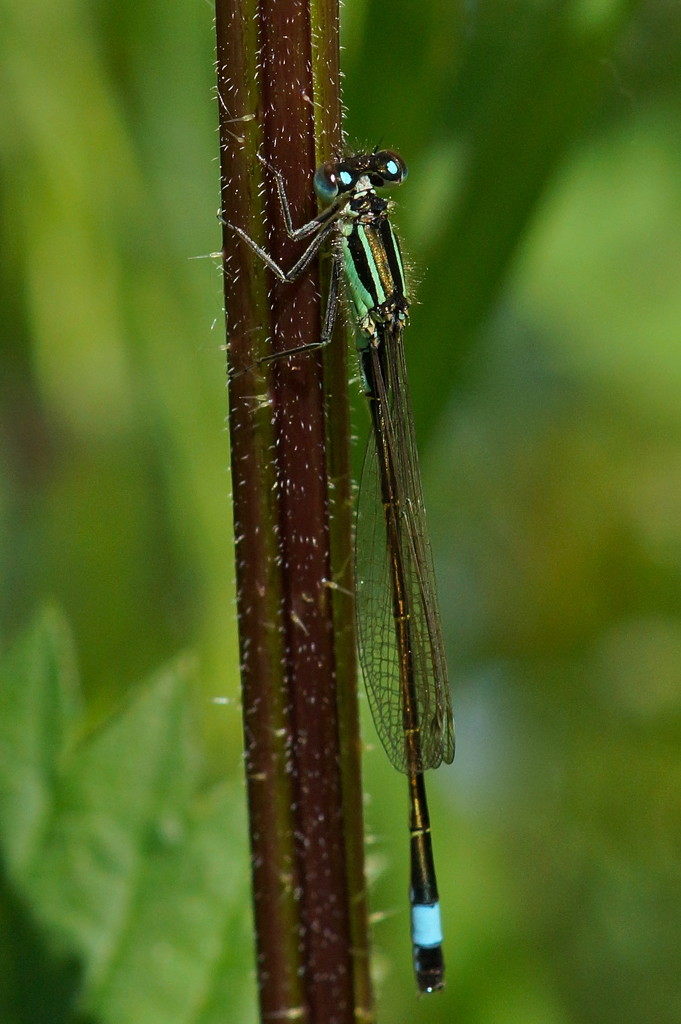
{"x":370,"y":250}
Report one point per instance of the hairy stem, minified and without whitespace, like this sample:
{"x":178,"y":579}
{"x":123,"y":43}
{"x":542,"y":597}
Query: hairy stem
{"x":278,"y":81}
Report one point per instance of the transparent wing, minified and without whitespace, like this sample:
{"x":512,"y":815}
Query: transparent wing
{"x":391,"y":668}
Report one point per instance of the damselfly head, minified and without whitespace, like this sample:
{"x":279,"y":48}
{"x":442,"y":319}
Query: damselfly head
{"x":338,"y":176}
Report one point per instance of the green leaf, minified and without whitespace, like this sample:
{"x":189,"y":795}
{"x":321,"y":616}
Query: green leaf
{"x":122,"y":876}
{"x":38,"y":706}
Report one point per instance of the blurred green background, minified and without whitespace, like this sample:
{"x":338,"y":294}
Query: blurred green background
{"x":543,"y":218}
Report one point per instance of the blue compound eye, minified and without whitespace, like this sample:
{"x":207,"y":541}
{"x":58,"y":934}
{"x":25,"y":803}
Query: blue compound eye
{"x":391,"y":167}
{"x":326,"y":182}
{"x":347,"y":176}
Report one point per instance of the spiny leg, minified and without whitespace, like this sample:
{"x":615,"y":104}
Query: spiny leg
{"x":330,"y":214}
{"x":299,"y":267}
{"x":328,"y":322}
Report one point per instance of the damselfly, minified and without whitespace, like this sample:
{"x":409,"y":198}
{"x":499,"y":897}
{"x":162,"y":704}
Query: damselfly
{"x":400,"y":643}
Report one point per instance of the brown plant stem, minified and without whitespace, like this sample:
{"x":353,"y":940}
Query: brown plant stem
{"x":278,"y":81}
